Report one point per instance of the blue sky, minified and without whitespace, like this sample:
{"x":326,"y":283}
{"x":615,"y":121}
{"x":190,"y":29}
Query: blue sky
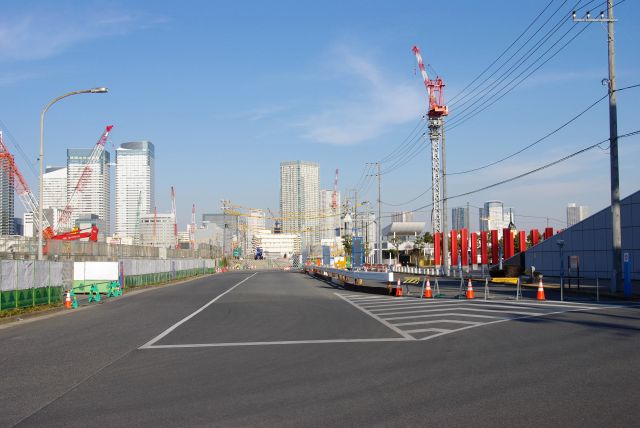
{"x":227,"y":90}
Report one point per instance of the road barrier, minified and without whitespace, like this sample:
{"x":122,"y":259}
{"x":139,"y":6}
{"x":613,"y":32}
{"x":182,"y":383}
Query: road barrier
{"x":29,"y":283}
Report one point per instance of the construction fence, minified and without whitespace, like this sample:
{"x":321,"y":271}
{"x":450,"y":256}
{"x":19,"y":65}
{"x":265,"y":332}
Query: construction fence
{"x":141,"y":272}
{"x":25,"y":283}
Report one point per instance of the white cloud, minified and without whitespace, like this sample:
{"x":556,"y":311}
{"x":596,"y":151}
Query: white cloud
{"x":381,"y":104}
{"x":41,"y":35}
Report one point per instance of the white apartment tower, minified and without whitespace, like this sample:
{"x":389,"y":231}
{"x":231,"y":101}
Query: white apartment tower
{"x":300,"y":200}
{"x":134,"y":186}
{"x":576,"y":213}
{"x":95,"y":194}
{"x":330,"y":218}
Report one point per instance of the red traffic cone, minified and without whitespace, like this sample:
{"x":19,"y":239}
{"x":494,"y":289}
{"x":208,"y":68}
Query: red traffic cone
{"x":67,"y":300}
{"x":399,"y":289}
{"x":470,"y":294}
{"x":427,"y":291}
{"x":540,"y":290}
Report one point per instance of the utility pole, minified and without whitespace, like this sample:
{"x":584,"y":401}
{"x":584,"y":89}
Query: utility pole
{"x":224,"y":228}
{"x":379,"y":237}
{"x":616,"y":229}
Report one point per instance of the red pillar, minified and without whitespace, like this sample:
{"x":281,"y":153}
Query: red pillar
{"x":548,"y":232}
{"x":535,"y":236}
{"x":454,"y":248}
{"x":464,"y":246}
{"x":506,"y":246}
{"x":523,"y":241}
{"x":436,"y":248}
{"x":495,"y":244}
{"x":483,"y":248}
{"x":474,"y":248}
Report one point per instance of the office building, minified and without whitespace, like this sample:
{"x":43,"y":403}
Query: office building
{"x":300,"y":200}
{"x":402,"y":217}
{"x":95,"y":191}
{"x":494,"y":217}
{"x":276,"y":245}
{"x":54,"y":186}
{"x":156,"y":230}
{"x":135,"y":192}
{"x":576,"y":213}
{"x":460,"y":218}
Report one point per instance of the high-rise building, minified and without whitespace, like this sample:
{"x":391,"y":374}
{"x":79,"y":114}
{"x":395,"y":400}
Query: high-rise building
{"x":156,"y":230}
{"x":493,"y":217}
{"x":54,"y":187}
{"x":256,"y":221}
{"x":300,"y":200}
{"x":134,"y":186}
{"x":402,"y":217}
{"x":6,"y":199}
{"x":460,"y":218}
{"x":95,"y":193}
{"x":330,"y":218}
{"x":576,"y":213}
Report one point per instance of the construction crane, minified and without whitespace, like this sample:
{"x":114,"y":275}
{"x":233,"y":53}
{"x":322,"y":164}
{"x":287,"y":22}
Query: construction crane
{"x":175,"y":216}
{"x":15,"y":177}
{"x":334,"y":195}
{"x":435,"y":114}
{"x":192,"y":228}
{"x":94,"y":157}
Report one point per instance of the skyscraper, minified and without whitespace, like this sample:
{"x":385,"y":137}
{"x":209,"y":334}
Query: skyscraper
{"x":460,"y":218}
{"x":54,"y":187}
{"x":95,"y":193}
{"x":576,"y":213}
{"x":134,"y":186}
{"x":300,"y":200}
{"x":6,"y":199}
{"x":493,"y":217}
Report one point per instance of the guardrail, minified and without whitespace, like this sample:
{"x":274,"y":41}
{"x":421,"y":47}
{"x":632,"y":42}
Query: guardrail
{"x":355,"y":277}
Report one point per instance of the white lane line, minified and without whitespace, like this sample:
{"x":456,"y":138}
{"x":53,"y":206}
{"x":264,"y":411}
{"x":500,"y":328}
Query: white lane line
{"x":448,"y":314}
{"x":281,"y":342}
{"x":368,"y":299}
{"x":421,"y":311}
{"x":391,"y":326}
{"x":414,"y":302}
{"x":547,"y":304}
{"x":439,"y":321}
{"x":188,"y":317}
{"x":429,"y":330}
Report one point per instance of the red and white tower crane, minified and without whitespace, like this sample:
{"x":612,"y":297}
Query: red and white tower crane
{"x":435,"y":114}
{"x":175,"y":217}
{"x":192,"y":228}
{"x":94,"y":158}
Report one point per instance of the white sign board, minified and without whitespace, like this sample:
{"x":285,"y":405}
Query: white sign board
{"x":95,"y":271}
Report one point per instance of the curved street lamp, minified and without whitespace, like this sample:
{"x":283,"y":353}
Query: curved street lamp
{"x":41,"y":157}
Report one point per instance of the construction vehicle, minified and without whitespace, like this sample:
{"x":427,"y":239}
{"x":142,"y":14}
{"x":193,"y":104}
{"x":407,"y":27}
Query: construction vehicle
{"x":74,"y":235}
{"x":259,"y":254}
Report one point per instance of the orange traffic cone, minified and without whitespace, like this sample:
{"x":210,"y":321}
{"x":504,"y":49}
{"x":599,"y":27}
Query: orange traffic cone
{"x":540,"y":290}
{"x":470,"y":294}
{"x":67,"y":300}
{"x":399,"y":289}
{"x":427,"y":291}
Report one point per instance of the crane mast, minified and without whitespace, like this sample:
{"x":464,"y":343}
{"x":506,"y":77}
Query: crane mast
{"x":175,"y":217}
{"x":192,"y":228}
{"x":334,"y":195}
{"x":436,"y":111}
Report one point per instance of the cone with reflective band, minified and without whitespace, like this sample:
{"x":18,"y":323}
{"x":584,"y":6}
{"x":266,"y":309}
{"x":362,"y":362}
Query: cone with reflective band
{"x":540,"y":290}
{"x":470,"y":294}
{"x":67,"y":300}
{"x":399,"y":289}
{"x":427,"y":291}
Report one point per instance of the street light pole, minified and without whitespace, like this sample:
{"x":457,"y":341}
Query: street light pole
{"x":41,"y":156}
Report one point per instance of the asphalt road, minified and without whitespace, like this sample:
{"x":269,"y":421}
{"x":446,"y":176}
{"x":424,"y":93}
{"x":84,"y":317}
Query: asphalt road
{"x":284,"y":349}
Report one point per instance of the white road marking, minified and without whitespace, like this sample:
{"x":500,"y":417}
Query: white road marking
{"x":440,"y":321}
{"x":442,"y":315}
{"x":187,"y":318}
{"x":391,"y":326}
{"x":282,"y":342}
{"x":420,"y":311}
